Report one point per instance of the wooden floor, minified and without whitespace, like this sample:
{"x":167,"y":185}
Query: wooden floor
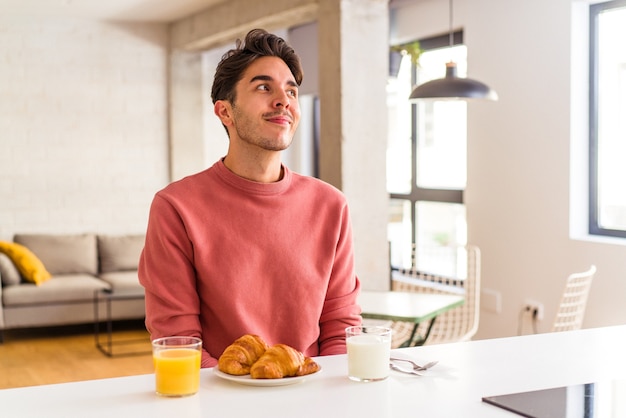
{"x":68,"y":354}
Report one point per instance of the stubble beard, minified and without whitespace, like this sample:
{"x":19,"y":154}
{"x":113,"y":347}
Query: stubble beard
{"x":246,"y":132}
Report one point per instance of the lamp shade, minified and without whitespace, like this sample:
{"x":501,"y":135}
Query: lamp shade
{"x":452,"y":87}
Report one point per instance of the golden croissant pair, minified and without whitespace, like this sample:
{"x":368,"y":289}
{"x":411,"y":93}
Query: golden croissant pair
{"x":249,"y":354}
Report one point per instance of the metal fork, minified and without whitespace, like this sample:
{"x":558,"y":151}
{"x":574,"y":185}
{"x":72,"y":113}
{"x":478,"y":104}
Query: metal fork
{"x":415,"y":365}
{"x":407,"y":371}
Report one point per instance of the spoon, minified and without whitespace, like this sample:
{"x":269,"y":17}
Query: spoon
{"x":415,"y":365}
{"x":401,"y":370}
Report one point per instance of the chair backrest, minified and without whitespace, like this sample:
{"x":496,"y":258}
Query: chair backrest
{"x":458,"y":324}
{"x":571,"y":310}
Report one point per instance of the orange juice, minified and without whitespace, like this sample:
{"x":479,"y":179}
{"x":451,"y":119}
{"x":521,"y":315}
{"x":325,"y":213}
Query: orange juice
{"x":177,"y":371}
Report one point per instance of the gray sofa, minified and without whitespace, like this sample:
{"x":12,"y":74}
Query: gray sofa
{"x":80,"y":265}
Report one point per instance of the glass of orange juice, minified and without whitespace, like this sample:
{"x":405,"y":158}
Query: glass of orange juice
{"x":177,"y":365}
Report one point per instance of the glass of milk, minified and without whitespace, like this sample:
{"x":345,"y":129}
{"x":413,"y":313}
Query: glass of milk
{"x":369,"y":348}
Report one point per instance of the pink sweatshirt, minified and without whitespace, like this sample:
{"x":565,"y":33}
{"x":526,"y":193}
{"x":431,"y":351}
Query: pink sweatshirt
{"x":225,"y":256}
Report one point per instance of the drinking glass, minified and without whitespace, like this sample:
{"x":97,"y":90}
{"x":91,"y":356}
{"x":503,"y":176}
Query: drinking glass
{"x":369,"y":349}
{"x":177,"y":365}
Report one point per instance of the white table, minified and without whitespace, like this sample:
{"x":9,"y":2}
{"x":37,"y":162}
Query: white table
{"x":454,"y":388}
{"x":407,"y":307}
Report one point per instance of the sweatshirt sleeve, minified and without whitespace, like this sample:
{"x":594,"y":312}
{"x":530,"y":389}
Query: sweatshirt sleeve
{"x":166,"y":272}
{"x":341,"y":309}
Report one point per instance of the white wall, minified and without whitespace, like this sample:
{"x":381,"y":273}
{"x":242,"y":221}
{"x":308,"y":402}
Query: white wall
{"x":521,"y":156}
{"x":83,"y":127}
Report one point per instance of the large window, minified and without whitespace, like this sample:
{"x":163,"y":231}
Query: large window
{"x":607,"y":116}
{"x":426,"y":156}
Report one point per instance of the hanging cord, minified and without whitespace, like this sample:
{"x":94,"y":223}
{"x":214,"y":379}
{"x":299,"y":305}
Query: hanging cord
{"x":534,"y":321}
{"x":520,"y":320}
{"x":451,"y":35}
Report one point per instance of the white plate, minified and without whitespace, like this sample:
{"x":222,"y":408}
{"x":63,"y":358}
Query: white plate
{"x":247,"y":380}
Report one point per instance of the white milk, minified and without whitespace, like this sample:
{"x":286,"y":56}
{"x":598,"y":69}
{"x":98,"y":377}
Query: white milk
{"x":368,"y":357}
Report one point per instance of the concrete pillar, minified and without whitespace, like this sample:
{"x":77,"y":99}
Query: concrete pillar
{"x":186,"y":114}
{"x":353,"y":60}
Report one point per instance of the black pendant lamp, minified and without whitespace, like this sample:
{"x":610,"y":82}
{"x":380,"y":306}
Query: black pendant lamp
{"x":452,"y":87}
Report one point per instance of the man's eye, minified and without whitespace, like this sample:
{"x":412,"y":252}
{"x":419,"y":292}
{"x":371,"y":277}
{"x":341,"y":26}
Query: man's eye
{"x":263,"y":87}
{"x":293,"y":93}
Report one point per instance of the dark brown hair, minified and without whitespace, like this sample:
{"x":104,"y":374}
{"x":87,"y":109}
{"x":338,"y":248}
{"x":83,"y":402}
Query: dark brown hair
{"x":258,"y":43}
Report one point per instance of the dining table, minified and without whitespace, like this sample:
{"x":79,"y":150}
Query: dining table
{"x":413,"y":307}
{"x":467,"y":373}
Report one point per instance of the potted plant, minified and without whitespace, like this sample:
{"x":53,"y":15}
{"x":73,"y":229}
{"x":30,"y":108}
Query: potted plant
{"x":396,"y":52}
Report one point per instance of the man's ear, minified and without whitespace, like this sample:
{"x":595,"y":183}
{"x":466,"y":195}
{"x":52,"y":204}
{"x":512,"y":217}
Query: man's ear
{"x":224,"y":111}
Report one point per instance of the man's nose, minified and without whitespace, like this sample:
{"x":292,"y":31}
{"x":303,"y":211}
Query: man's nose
{"x":282,"y":99}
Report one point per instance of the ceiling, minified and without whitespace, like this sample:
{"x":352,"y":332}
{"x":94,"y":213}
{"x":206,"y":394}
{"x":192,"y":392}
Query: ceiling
{"x":118,"y":10}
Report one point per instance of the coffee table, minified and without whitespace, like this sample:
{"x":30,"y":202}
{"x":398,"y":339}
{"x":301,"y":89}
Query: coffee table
{"x":107,"y":296}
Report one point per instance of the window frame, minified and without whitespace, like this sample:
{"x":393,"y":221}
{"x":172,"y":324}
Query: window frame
{"x":420,"y":194}
{"x":594,"y":224}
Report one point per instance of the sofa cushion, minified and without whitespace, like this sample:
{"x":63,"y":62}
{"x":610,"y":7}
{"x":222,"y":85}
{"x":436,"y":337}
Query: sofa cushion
{"x":63,"y":289}
{"x":63,"y":254}
{"x":122,"y":280}
{"x":8,"y":272}
{"x":119,"y":253}
{"x":29,"y":266}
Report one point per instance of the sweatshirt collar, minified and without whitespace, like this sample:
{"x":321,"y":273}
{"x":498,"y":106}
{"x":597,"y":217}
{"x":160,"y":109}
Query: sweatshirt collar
{"x":250,"y":186}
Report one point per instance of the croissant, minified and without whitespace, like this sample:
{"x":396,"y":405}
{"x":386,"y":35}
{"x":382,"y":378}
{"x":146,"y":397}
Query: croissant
{"x":238,"y":357}
{"x":281,"y":361}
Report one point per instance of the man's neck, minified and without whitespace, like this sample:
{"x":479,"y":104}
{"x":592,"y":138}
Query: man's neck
{"x":261,"y":170}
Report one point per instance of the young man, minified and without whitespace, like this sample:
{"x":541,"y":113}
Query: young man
{"x":248,"y":246}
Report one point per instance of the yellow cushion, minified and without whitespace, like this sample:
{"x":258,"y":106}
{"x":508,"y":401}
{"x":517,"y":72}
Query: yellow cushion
{"x":27,"y":263}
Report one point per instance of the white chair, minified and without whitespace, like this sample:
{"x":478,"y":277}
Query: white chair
{"x":458,"y":324}
{"x":571,"y":310}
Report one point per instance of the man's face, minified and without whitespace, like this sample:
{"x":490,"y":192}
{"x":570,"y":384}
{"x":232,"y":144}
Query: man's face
{"x":266,"y":111}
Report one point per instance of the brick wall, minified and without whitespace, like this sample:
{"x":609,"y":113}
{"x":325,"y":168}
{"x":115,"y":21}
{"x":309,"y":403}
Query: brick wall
{"x":83,"y":126}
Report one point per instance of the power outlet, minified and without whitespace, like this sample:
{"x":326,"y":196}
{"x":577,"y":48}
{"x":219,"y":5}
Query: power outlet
{"x":534,"y":308}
